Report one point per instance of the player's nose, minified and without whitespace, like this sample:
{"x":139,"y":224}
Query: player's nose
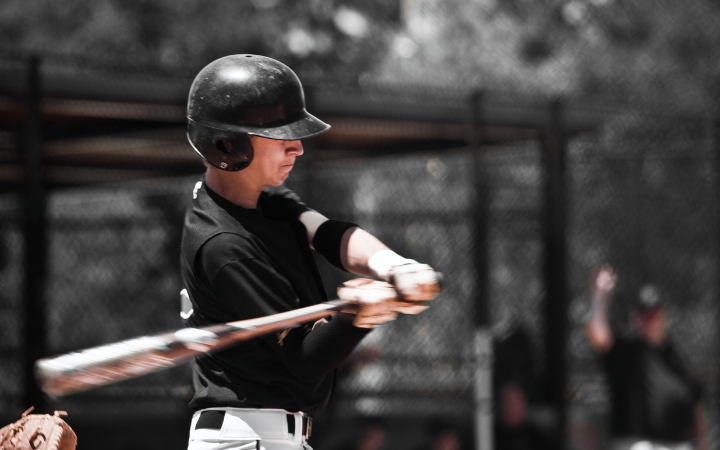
{"x":294,"y":148}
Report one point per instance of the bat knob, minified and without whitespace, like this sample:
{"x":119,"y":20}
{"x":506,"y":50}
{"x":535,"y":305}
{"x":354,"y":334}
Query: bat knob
{"x":440,"y":281}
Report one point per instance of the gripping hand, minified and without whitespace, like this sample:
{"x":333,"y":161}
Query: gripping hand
{"x":375,"y":301}
{"x":417,"y":284}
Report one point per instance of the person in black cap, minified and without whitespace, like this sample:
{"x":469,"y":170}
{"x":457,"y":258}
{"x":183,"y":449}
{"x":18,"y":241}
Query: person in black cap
{"x":246,"y":253}
{"x":655,"y":401}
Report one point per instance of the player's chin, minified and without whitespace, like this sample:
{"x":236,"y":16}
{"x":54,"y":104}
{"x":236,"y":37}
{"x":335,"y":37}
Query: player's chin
{"x":280,"y":178}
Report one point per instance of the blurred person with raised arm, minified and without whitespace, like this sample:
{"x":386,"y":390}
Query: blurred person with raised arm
{"x":655,"y":401}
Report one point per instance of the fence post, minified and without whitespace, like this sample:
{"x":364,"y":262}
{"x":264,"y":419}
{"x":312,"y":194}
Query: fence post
{"x":483,"y":414}
{"x":555,"y":268}
{"x":34,"y":233}
{"x":714,"y":401}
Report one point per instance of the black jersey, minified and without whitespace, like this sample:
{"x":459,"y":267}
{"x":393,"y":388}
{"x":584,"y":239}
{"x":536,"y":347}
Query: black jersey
{"x":653,"y":395}
{"x":240,"y":264}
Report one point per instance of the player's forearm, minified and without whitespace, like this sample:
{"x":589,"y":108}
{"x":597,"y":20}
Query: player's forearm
{"x":364,"y":254}
{"x":327,"y":346}
{"x":599,"y":308}
{"x":349,"y":247}
{"x":359,"y":252}
{"x":356,"y":250}
{"x":597,"y":328}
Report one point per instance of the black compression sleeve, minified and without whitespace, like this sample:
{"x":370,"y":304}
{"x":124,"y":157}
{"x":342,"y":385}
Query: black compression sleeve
{"x":328,"y":345}
{"x":328,"y":238}
{"x":251,"y":288}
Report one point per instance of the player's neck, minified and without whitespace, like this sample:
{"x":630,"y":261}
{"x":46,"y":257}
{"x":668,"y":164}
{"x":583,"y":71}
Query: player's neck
{"x":234,"y":187}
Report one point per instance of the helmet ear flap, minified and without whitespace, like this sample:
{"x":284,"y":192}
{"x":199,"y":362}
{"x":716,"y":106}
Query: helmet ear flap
{"x":232,"y":155}
{"x":226,"y":150}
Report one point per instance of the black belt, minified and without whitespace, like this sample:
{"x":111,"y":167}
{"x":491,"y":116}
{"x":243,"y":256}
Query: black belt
{"x":213,"y":419}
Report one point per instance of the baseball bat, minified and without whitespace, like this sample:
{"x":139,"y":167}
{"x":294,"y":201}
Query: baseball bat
{"x":99,"y":366}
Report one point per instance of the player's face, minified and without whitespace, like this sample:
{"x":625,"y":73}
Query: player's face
{"x":652,"y":325}
{"x":273,"y":160}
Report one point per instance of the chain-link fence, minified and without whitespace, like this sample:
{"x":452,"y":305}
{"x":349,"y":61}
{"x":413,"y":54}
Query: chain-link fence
{"x":641,"y":190}
{"x":112,"y":274}
{"x":644,"y":200}
{"x":11,"y":256}
{"x":641,"y":197}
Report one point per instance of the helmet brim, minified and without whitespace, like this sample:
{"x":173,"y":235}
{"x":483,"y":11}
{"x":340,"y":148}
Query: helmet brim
{"x":306,"y":126}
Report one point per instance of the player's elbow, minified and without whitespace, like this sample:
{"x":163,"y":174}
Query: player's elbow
{"x":312,"y":221}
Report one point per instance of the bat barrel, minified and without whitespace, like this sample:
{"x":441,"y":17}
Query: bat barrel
{"x":98,"y":366}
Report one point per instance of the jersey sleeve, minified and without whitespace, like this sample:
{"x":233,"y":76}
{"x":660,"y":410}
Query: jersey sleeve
{"x":286,"y":203}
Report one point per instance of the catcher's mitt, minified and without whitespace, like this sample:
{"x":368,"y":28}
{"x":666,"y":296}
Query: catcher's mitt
{"x":38,"y":432}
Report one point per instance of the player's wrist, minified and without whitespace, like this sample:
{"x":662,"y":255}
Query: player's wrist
{"x":382,"y":262}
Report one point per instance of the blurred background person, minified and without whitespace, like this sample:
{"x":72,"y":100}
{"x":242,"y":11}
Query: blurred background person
{"x":655,"y":400}
{"x":520,"y":420}
{"x":373,"y":436}
{"x":444,"y":434}
{"x":367,"y":433}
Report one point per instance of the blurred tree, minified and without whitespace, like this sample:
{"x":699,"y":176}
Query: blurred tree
{"x":333,"y":38}
{"x":650,"y":50}
{"x":627,"y":50}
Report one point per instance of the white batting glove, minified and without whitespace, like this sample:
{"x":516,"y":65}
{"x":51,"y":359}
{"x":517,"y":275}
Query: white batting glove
{"x":416,"y":283}
{"x":376,"y":301}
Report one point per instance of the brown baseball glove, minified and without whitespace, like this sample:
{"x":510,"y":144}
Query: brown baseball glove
{"x":38,"y":432}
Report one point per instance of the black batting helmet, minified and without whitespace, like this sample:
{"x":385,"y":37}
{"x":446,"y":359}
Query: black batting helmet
{"x":241,"y":95}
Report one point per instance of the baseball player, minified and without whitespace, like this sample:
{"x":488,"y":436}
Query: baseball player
{"x":656,"y":402}
{"x":246,"y":253}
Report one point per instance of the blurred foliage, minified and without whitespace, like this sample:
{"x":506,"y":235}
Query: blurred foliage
{"x":182,"y":36}
{"x":655,"y":51}
{"x":629,"y":50}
